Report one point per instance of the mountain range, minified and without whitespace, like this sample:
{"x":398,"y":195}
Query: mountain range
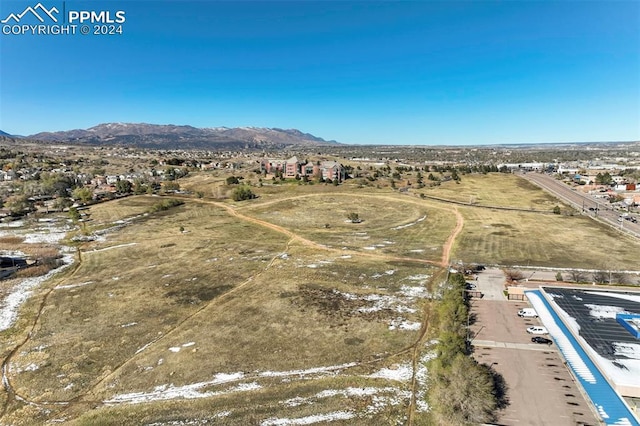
{"x":183,"y":137}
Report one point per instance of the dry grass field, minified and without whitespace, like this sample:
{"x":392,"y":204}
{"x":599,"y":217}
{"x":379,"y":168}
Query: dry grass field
{"x":270,"y":310}
{"x":196,"y":302}
{"x":520,"y":238}
{"x":495,"y":189}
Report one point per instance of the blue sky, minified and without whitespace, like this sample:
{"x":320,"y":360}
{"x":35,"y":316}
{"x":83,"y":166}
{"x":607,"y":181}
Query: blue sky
{"x":366,"y":72}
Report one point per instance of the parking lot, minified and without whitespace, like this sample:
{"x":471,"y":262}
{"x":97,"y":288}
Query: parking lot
{"x":541,"y":389}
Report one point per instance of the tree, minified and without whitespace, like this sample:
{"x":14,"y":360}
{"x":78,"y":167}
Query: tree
{"x":62,"y":203}
{"x":139,"y":187}
{"x":74,"y":214}
{"x":556,"y":210}
{"x":82,"y":194}
{"x":242,"y":193}
{"x":604,"y":179}
{"x":513,"y":274}
{"x":354,"y":217}
{"x":232,"y":180}
{"x":123,"y":186}
{"x":558,"y":276}
{"x":621,"y":278}
{"x":463,"y":393}
{"x":600,"y":277}
{"x":18,"y":204}
{"x":577,"y":276}
{"x":170,"y":186}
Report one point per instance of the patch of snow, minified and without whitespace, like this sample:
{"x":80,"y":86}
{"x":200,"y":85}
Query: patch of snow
{"x":401,"y":373}
{"x":603,"y":311}
{"x":31,"y":367}
{"x":416,"y":251}
{"x":369,"y":248}
{"x":316,"y":418}
{"x":408,"y":325}
{"x":191,"y":391}
{"x":345,"y":256}
{"x":63,"y":287}
{"x":13,"y":224}
{"x":244,"y":387}
{"x":131,"y":324}
{"x":12,"y":253}
{"x":113,"y":247}
{"x":626,"y":349}
{"x":630,"y":297}
{"x":175,"y":349}
{"x":20,"y":293}
{"x":397,"y":228}
{"x":416,"y":292}
{"x":51,"y":238}
{"x":316,"y":370}
{"x":422,"y":278}
{"x":186,"y":345}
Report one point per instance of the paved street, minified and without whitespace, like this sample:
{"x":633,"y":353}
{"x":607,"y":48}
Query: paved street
{"x":580,"y":201}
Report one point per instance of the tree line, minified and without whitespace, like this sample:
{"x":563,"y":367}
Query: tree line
{"x":461,"y":391}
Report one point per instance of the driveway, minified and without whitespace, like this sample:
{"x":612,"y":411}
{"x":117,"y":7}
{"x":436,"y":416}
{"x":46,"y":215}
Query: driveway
{"x":491,"y":283}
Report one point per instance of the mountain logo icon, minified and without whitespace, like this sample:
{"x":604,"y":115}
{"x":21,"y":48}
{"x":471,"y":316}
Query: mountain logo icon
{"x":34,"y":11}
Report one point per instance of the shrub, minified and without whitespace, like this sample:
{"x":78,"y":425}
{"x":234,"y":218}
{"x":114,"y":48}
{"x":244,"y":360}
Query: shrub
{"x":242,"y":193}
{"x":165,"y":205}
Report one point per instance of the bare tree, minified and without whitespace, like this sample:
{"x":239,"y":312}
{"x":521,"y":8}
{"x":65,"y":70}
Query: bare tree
{"x":577,"y":276}
{"x":513,"y":274}
{"x":601,"y":277}
{"x":621,"y":278}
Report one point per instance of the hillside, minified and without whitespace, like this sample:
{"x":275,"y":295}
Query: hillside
{"x":182,"y":137}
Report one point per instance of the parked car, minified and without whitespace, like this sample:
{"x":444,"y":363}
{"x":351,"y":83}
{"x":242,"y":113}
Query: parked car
{"x":527,"y":313}
{"x":541,"y":340}
{"x":471,"y":286}
{"x":537,"y":329}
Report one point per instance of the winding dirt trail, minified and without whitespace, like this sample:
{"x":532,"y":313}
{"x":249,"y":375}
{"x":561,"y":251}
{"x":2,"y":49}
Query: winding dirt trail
{"x":448,"y":246}
{"x":85,"y":398}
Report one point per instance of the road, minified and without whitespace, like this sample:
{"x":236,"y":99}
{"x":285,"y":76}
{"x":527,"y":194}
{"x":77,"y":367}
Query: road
{"x":583,"y":202}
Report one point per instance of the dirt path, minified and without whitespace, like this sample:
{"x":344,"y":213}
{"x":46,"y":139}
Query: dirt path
{"x":448,"y":246}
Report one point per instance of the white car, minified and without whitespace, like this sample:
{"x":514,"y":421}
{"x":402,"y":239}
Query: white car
{"x":527,"y":313}
{"x":537,"y":329}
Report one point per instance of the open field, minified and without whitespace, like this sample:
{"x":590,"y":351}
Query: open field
{"x":518,"y":238}
{"x":221,"y":308}
{"x":495,"y":189}
{"x":265,"y":310}
{"x":391,"y":225}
